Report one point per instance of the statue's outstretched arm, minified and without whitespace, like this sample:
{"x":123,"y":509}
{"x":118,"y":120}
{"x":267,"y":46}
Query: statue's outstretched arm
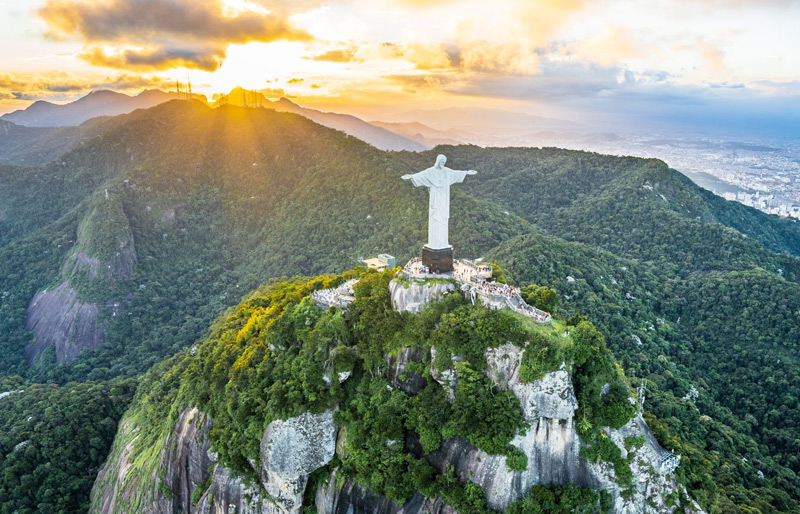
{"x":468,"y":172}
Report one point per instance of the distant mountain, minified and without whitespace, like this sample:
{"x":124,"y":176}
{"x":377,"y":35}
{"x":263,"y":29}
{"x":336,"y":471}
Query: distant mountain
{"x":424,"y":134}
{"x":110,"y":103}
{"x":376,"y":136}
{"x":485,"y":121}
{"x":97,"y":103}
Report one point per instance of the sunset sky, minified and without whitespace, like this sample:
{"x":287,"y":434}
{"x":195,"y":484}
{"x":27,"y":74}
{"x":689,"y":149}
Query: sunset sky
{"x":578,"y":60}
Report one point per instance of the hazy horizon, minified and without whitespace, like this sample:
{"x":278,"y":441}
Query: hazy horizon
{"x":711,"y":65}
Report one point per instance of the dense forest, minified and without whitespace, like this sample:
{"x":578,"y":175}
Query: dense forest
{"x":650,"y":318}
{"x":53,"y":440}
{"x":163,"y":218}
{"x":279,"y":341}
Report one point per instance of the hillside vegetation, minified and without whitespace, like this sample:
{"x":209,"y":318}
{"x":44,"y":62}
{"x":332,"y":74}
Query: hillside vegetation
{"x":278,"y":341}
{"x":164,"y":217}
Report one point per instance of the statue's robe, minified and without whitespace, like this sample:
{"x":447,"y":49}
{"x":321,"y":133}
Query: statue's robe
{"x":438,"y":180}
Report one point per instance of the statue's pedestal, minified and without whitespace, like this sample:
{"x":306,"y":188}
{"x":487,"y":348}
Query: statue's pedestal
{"x":439,"y":260}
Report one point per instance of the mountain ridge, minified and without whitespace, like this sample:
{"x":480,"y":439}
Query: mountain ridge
{"x":100,"y":102}
{"x":377,"y":136}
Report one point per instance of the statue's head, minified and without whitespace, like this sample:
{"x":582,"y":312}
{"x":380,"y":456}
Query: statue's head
{"x":440,"y":160}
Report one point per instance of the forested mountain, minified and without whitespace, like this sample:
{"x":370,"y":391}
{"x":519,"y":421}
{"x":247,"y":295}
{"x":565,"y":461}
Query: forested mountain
{"x":356,"y":416}
{"x":102,"y":102}
{"x":121,"y":251}
{"x":190,"y":207}
{"x":376,"y":135}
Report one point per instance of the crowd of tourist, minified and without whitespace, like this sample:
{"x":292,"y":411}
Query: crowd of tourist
{"x":415,"y":267}
{"x":335,"y":297}
{"x":496,"y":289}
{"x":469,"y":273}
{"x":532,"y":312}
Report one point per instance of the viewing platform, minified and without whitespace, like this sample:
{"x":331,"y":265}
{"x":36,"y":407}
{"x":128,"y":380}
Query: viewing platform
{"x":474,"y":279}
{"x":339,"y":297}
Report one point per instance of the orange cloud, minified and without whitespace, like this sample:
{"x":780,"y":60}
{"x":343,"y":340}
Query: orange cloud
{"x":153,"y":34}
{"x":337,"y":55}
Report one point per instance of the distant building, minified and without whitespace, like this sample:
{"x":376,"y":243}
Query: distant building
{"x":388,"y":259}
{"x":381,"y":262}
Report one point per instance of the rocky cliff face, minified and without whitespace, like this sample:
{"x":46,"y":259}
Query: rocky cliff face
{"x":229,"y":494}
{"x":183,"y":463}
{"x":337,"y":496}
{"x":59,"y":319}
{"x":550,"y":443}
{"x":414,"y":295}
{"x":104,"y":251}
{"x":552,"y":446}
{"x":398,"y":374}
{"x":290,"y":451}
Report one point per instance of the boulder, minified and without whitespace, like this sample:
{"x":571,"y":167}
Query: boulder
{"x":290,"y":451}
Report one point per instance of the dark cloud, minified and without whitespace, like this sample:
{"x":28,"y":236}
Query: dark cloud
{"x":159,"y":58}
{"x":65,"y":88}
{"x":158,"y":34}
{"x":726,"y":85}
{"x":294,"y":81}
{"x":338,"y":55}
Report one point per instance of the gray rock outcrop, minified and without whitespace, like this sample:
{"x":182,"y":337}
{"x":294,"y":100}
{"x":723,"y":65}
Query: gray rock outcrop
{"x":104,"y":251}
{"x":59,"y":319}
{"x":183,"y":464}
{"x":229,"y":494}
{"x":337,"y":496}
{"x":290,"y":451}
{"x":414,"y":295}
{"x":550,"y":397}
{"x":553,"y":450}
{"x":186,"y":462}
{"x":651,"y":483}
{"x":552,"y":446}
{"x":409,"y":383}
{"x":447,"y":378}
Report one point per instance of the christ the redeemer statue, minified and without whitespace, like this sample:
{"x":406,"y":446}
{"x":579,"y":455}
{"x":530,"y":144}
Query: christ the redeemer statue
{"x":438,"y":179}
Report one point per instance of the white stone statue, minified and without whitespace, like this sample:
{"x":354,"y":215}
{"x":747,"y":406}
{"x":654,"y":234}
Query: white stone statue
{"x":438,"y":179}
